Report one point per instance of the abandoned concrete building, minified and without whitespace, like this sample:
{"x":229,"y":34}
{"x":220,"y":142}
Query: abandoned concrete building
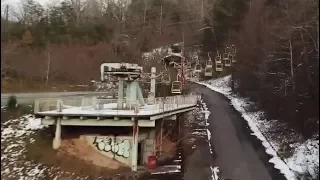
{"x":142,"y":117}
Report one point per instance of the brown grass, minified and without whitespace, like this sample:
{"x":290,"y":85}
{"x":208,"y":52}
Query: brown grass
{"x":10,"y":86}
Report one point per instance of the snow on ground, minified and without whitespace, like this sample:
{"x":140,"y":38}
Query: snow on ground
{"x":13,"y":142}
{"x":305,"y":157}
{"x":204,"y":109}
{"x":15,"y":135}
{"x":161,"y":51}
{"x":104,"y":86}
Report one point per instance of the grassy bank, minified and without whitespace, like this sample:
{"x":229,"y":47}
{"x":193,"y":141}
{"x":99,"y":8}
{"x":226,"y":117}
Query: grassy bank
{"x":14,"y":86}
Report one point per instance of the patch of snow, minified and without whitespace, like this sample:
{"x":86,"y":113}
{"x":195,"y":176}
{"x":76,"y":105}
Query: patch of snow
{"x":104,"y":86}
{"x":215,"y":172}
{"x":80,"y":85}
{"x":166,"y":172}
{"x":15,"y":135}
{"x":306,"y":155}
{"x":172,"y":166}
{"x":199,"y":133}
{"x":207,"y":113}
{"x":167,"y":169}
{"x":33,"y":123}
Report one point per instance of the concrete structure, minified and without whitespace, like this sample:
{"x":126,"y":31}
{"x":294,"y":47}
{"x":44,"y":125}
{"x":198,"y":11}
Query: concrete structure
{"x":127,"y":74}
{"x":129,"y":111}
{"x":82,"y":111}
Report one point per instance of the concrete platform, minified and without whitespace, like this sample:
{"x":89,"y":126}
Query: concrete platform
{"x":163,"y":107}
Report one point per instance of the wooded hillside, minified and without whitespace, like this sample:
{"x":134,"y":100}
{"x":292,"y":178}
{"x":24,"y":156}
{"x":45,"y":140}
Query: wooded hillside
{"x":277,"y":44}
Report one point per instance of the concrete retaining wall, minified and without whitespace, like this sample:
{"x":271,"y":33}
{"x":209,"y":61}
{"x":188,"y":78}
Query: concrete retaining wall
{"x":116,"y":147}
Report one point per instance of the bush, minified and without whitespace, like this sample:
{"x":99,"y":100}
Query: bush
{"x":12,"y":102}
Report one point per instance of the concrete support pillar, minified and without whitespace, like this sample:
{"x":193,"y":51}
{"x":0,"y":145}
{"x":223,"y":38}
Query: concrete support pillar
{"x":120,"y":94}
{"x":134,"y":94}
{"x":135,"y":135}
{"x":152,"y":93}
{"x":131,"y":95}
{"x":161,"y":136}
{"x":36,"y":106}
{"x":59,"y":105}
{"x":57,"y":139}
{"x":149,"y":145}
{"x":152,"y":136}
{"x":139,"y":95}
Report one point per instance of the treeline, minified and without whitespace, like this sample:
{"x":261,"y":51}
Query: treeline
{"x":277,"y":55}
{"x":67,"y":41}
{"x":278,"y":60}
{"x":277,"y":44}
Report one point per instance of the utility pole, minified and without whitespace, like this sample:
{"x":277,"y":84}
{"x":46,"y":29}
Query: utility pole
{"x":6,"y":26}
{"x":202,"y":13}
{"x":232,"y":64}
{"x":318,"y":27}
{"x":145,"y":12}
{"x":144,"y":15}
{"x":229,"y":38}
{"x":48,"y":65}
{"x":182,"y":49}
{"x":160,"y":28}
{"x":78,"y":11}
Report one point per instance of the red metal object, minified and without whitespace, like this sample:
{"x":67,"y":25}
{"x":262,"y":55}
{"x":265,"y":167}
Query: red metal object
{"x":152,"y":162}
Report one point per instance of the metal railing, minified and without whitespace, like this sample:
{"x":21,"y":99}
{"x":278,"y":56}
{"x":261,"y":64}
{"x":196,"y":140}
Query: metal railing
{"x":98,"y":106}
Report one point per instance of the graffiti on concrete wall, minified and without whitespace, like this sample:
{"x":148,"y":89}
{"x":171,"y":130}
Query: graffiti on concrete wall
{"x":108,"y":144}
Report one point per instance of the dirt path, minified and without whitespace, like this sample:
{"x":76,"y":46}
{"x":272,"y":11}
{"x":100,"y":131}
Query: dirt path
{"x":239,"y":155}
{"x":81,"y":149}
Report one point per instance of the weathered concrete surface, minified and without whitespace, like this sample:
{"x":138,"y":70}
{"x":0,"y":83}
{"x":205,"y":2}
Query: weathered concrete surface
{"x":118,"y":148}
{"x":239,"y":155}
{"x":29,"y":98}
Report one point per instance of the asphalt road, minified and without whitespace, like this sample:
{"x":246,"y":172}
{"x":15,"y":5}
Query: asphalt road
{"x":238,"y":155}
{"x":29,"y":98}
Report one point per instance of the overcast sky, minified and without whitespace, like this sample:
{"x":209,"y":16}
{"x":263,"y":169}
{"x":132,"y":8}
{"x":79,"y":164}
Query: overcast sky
{"x":15,"y":3}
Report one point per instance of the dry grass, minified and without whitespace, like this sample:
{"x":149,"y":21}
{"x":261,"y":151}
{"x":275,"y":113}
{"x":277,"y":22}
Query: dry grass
{"x":9,"y":86}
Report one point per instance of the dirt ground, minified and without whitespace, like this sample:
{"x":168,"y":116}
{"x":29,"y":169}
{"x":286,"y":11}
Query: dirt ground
{"x":74,"y":156}
{"x":80,"y":148}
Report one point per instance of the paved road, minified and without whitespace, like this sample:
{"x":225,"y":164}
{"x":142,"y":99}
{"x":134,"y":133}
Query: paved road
{"x":29,"y":98}
{"x":238,"y":156}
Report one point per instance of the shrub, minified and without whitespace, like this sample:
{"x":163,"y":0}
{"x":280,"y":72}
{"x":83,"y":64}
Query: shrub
{"x":12,"y":102}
